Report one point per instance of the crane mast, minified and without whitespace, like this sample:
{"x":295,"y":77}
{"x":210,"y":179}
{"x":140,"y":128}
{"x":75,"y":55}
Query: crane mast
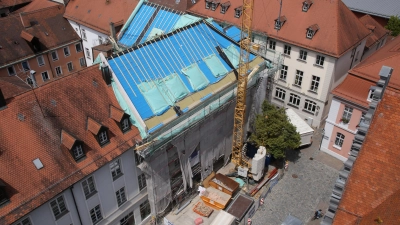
{"x":240,"y":109}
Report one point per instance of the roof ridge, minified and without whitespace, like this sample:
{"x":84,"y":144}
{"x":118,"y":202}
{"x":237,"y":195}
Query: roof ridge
{"x":375,"y":62}
{"x":40,"y":10}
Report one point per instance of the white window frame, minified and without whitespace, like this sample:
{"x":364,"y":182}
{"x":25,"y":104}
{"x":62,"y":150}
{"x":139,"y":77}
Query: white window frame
{"x":347,"y":113}
{"x":40,"y":57}
{"x":69,"y":52}
{"x":25,"y":221}
{"x":208,"y":4}
{"x":51,"y":53}
{"x":96,"y":213}
{"x":305,"y":7}
{"x":84,"y":37}
{"x":116,"y":169}
{"x":294,"y":99}
{"x":103,"y":137}
{"x":303,"y":55}
{"x":72,"y":66}
{"x":310,"y":106}
{"x":125,"y":124}
{"x":224,"y":9}
{"x":272,"y":44}
{"x":280,"y":94}
{"x":27,"y":63}
{"x":15,"y":72}
{"x":142,"y":181}
{"x":238,"y":13}
{"x":310,"y":33}
{"x":58,"y":67}
{"x":339,"y":140}
{"x":48,"y":76}
{"x":370,"y":95}
{"x":57,"y":201}
{"x":82,"y":60}
{"x":315,"y":83}
{"x":319,"y":61}
{"x":287,"y":49}
{"x":89,"y":187}
{"x":145,"y":205}
{"x":214,"y":6}
{"x":78,"y":152}
{"x":283,"y":72}
{"x":80,"y":46}
{"x":87,"y":51}
{"x":121,"y":196}
{"x":298,"y":80}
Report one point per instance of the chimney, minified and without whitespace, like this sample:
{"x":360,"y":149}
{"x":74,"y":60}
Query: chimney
{"x":25,"y":21}
{"x":112,"y":31}
{"x":3,"y":103}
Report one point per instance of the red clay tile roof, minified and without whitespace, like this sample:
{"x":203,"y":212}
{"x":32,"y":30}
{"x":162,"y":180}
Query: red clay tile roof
{"x":182,"y":5}
{"x":98,"y":15}
{"x":10,"y":3}
{"x":116,"y":113}
{"x":93,"y":126}
{"x":30,"y":130}
{"x":354,"y":89}
{"x":49,"y":27}
{"x":67,"y":140}
{"x":378,"y":31}
{"x":373,"y":189}
{"x":340,"y":30}
{"x":36,"y":5}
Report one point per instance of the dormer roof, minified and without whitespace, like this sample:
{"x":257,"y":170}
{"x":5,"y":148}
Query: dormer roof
{"x":67,"y":140}
{"x":116,"y":114}
{"x":93,"y":126}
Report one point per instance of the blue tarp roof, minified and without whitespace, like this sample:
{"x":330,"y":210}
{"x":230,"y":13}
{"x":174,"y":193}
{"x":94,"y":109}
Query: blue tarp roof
{"x":160,"y":72}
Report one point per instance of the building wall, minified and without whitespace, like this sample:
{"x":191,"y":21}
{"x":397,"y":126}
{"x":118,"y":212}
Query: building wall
{"x":92,"y":39}
{"x":375,"y":47}
{"x":49,"y":65}
{"x":105,"y":197}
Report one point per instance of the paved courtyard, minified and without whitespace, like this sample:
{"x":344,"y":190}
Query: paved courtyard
{"x":305,"y":187}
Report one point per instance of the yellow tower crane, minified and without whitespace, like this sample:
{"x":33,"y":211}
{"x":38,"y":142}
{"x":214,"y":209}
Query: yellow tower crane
{"x":240,"y":109}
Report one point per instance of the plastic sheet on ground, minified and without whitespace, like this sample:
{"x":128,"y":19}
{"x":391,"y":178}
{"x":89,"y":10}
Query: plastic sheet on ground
{"x":215,"y":65}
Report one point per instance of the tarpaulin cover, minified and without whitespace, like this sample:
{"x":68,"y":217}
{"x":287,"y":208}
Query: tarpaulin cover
{"x":197,"y":79}
{"x":215,"y":65}
{"x":156,"y":100}
{"x":233,"y":54}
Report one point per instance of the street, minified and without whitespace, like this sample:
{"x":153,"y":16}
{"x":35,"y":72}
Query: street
{"x":305,"y":187}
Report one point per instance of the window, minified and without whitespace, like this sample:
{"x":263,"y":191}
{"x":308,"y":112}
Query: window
{"x":142,"y":181}
{"x":45,"y":76}
{"x":100,"y":40}
{"x":303,"y":55}
{"x":40,"y":60}
{"x":238,"y":12}
{"x":25,"y":221}
{"x":208,"y":4}
{"x":78,"y":152}
{"x":3,"y":195}
{"x":278,"y":24}
{"x":84,"y":35}
{"x":115,"y":168}
{"x":272,"y":45}
{"x":87,"y":53}
{"x":25,"y":66}
{"x":362,"y":119}
{"x":299,"y":78}
{"x":305,"y":6}
{"x":310,"y":106}
{"x":283,"y":74}
{"x":126,"y":219}
{"x":310,"y":33}
{"x":287,"y":50}
{"x":54,"y":56}
{"x":294,"y":100}
{"x":66,"y":51}
{"x":29,"y":81}
{"x":125,"y":124}
{"x":58,"y":207}
{"x":280,"y":93}
{"x":95,"y":214}
{"x":70,"y":66}
{"x":370,"y":95}
{"x":145,"y":209}
{"x":339,"y":140}
{"x":347,"y":114}
{"x":103,"y":137}
{"x":214,"y":6}
{"x":320,"y":60}
{"x":88,"y":187}
{"x":78,"y":47}
{"x":138,"y":159}
{"x":82,"y":62}
{"x":314,"y":83}
{"x":357,"y":55}
{"x":121,"y":197}
{"x":11,"y":70}
{"x":224,"y":7}
{"x":58,"y":70}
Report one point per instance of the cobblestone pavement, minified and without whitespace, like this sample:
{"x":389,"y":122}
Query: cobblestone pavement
{"x":304,"y":188}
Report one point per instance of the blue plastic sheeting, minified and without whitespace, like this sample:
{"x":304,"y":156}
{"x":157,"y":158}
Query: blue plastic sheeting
{"x":137,"y":25}
{"x":197,"y":79}
{"x":233,"y":32}
{"x":160,"y":64}
{"x":233,"y":54}
{"x":164,"y":21}
{"x":215,"y":65}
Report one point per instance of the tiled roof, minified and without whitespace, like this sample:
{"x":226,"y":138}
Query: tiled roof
{"x":11,"y":3}
{"x":30,"y":130}
{"x":36,"y":5}
{"x":180,"y":5}
{"x":47,"y":25}
{"x":98,"y":14}
{"x":372,"y":191}
{"x":340,"y":30}
{"x":354,"y":93}
{"x":375,"y":7}
{"x":378,"y":31}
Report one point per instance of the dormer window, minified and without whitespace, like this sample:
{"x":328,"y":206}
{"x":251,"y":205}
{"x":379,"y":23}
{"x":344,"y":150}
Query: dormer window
{"x":214,"y":5}
{"x":311,"y":31}
{"x":238,"y":11}
{"x":306,"y":5}
{"x":225,"y":6}
{"x":208,"y":4}
{"x":279,"y":22}
{"x":121,"y":118}
{"x":103,"y":137}
{"x":100,"y":131}
{"x":3,"y":195}
{"x":73,"y":145}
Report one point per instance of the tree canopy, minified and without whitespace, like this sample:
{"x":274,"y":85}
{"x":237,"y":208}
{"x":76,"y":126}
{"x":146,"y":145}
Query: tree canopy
{"x":393,"y":25}
{"x":274,"y":131}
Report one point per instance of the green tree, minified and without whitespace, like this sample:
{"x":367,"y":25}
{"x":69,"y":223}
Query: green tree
{"x":274,"y":131}
{"x":393,"y":25}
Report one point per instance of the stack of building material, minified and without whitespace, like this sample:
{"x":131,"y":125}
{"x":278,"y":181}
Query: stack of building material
{"x":224,"y":183}
{"x":215,"y":198}
{"x":201,"y":209}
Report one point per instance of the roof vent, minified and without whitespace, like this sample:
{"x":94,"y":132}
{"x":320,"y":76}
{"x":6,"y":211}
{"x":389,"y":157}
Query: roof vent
{"x":47,"y":34}
{"x":38,"y":163}
{"x":16,"y":42}
{"x":53,"y":102}
{"x":21,"y":117}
